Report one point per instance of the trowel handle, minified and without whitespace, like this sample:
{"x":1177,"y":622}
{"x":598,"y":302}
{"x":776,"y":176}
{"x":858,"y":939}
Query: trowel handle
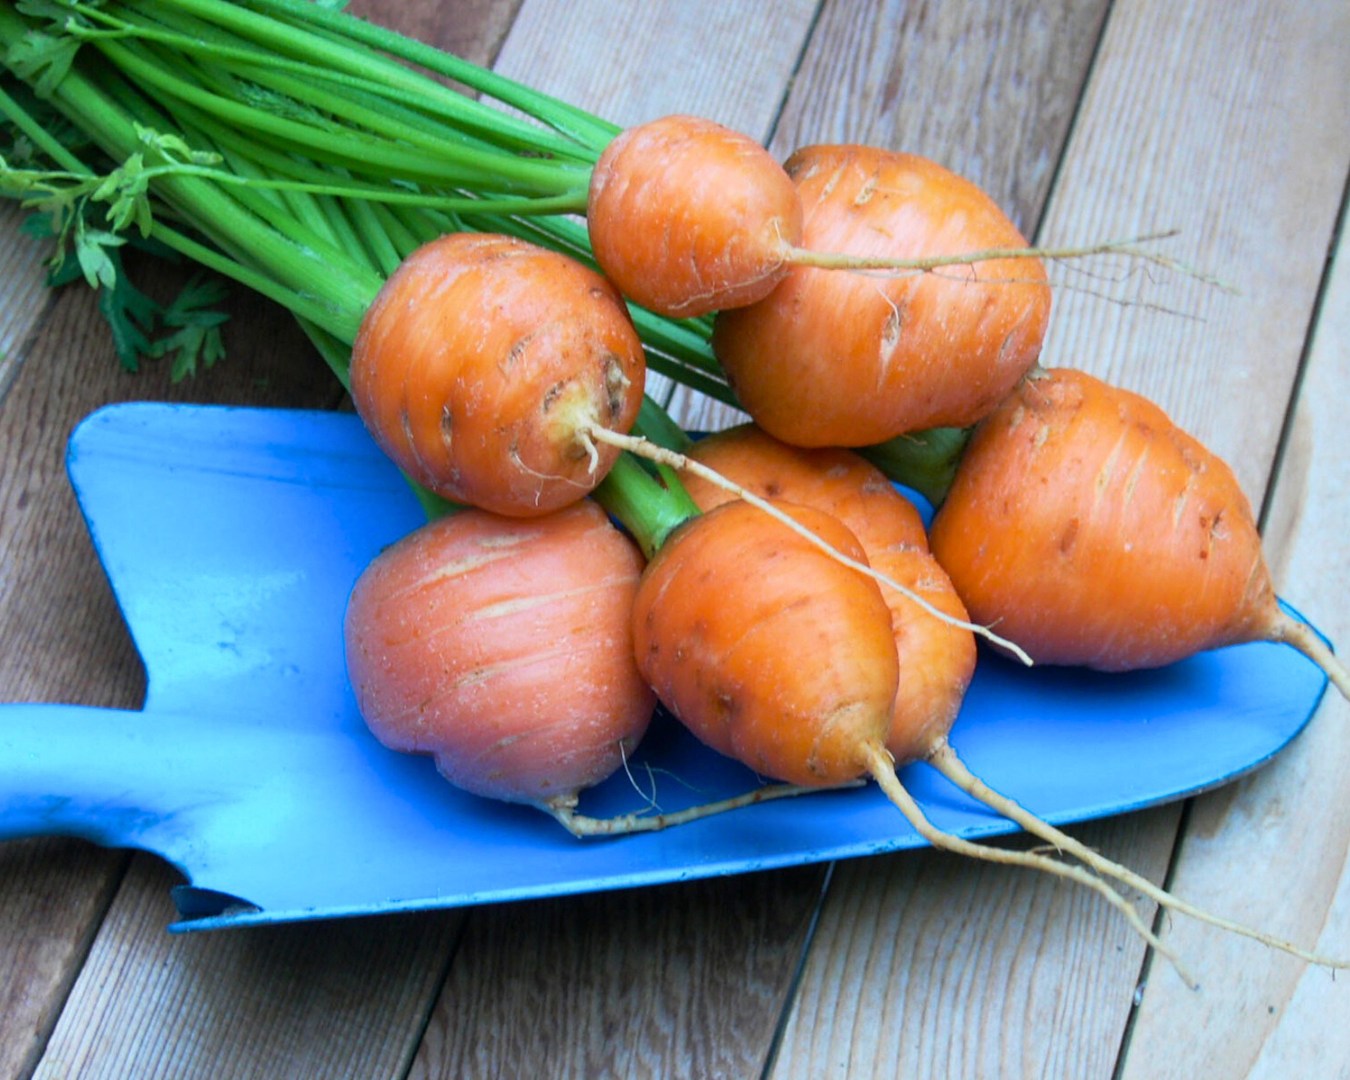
{"x":79,"y":771}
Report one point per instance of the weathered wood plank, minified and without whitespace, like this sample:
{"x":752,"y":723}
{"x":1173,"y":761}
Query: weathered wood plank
{"x":64,"y":637}
{"x":929,"y":966}
{"x":989,"y":91}
{"x":1207,"y":164}
{"x":342,"y":998}
{"x":986,"y":89}
{"x":634,"y":62}
{"x":131,"y":948}
{"x":1226,"y":122}
{"x":1063,"y":938}
{"x":472,"y":29}
{"x":682,"y":980}
{"x":21,"y":284}
{"x":1262,"y":1014}
{"x":53,"y":893}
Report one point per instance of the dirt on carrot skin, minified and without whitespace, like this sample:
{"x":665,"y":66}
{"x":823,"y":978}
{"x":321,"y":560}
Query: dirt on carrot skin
{"x":502,"y":647}
{"x":878,"y":353}
{"x":481,"y":360}
{"x":1095,"y":532}
{"x":688,"y":217}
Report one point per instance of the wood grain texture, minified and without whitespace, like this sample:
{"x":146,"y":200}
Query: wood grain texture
{"x":1169,"y":135}
{"x":53,"y":893}
{"x":341,"y":998}
{"x":679,"y":982}
{"x":471,"y":29}
{"x":64,"y":636}
{"x":65,"y":640}
{"x":98,"y":1011}
{"x":74,"y":647}
{"x":633,"y":62}
{"x":1262,"y":1014}
{"x":1226,"y":122}
{"x":986,"y":89}
{"x":683,"y":980}
{"x":960,"y":98}
{"x":727,"y":61}
{"x":928,"y":965}
{"x":21,"y":277}
{"x":1088,"y":1036}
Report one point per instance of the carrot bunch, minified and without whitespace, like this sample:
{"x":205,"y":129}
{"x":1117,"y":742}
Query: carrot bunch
{"x":493,"y":290}
{"x":751,"y":621}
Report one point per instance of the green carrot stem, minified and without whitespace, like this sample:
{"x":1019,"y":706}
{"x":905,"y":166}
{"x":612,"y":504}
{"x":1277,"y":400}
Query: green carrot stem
{"x":924,"y":460}
{"x":346,"y":47}
{"x":275,"y":171}
{"x":449,"y":165}
{"x":657,"y":426}
{"x":374,"y":233}
{"x":322,"y":66}
{"x":401,"y":235}
{"x":336,"y":289}
{"x":42,"y":139}
{"x":587,"y":130}
{"x":650,"y":508}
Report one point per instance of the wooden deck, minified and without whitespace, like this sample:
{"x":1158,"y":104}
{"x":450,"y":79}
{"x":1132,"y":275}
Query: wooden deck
{"x":1088,"y":120}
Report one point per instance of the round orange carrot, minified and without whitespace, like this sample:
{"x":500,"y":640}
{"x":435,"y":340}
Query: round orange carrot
{"x":687,"y":216}
{"x":937,"y":657}
{"x":483,"y":361}
{"x":503,"y":648}
{"x":877,"y":354}
{"x":769,"y":650}
{"x":1097,"y":533}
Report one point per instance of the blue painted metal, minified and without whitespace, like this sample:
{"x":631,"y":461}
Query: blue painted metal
{"x":232,"y":537}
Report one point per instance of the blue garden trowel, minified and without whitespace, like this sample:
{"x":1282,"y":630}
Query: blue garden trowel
{"x":232,"y":538}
